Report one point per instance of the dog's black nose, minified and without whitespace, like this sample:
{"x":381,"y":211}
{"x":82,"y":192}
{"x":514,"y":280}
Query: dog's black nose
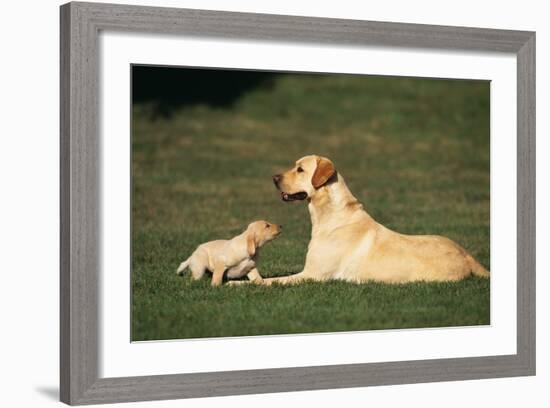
{"x":280,"y":227}
{"x":276,"y":179}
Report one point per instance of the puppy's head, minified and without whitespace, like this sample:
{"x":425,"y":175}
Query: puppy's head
{"x":260,"y":233}
{"x":302,"y":181}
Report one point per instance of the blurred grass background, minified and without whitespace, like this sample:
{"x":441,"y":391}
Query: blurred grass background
{"x":205,"y":143}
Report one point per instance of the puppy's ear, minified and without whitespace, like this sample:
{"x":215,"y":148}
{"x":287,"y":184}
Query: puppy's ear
{"x":324,"y":171}
{"x":251,"y":244}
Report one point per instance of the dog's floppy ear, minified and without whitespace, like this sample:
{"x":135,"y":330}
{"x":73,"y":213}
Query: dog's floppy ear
{"x":324,"y":171}
{"x":250,"y":243}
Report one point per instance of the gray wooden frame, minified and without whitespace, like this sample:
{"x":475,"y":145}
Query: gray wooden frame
{"x":80,"y":234}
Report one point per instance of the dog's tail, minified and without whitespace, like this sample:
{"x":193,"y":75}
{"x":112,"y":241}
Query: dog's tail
{"x":182,"y":267}
{"x":477,"y":268}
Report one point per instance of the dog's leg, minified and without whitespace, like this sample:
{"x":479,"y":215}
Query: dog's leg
{"x":281,"y":280}
{"x":217,"y":276}
{"x":197,"y":270}
{"x":286,"y":280}
{"x":254,"y":276}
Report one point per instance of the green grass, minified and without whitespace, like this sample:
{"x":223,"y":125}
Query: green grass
{"x":415,"y":152}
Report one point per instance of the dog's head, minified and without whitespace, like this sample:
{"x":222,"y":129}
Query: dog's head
{"x":302,"y":181}
{"x":260,"y":233}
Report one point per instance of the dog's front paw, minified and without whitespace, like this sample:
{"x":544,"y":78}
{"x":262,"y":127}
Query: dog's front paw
{"x":238,"y":282}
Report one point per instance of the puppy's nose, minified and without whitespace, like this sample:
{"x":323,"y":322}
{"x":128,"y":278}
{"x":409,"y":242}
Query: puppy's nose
{"x":276,"y":179}
{"x":280,"y":227}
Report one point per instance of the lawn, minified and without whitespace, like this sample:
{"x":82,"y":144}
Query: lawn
{"x":415,"y":152}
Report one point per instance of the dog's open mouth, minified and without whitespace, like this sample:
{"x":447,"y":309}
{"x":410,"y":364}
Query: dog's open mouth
{"x":294,"y":197}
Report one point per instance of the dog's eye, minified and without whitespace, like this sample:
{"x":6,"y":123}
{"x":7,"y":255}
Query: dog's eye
{"x":267,"y":225}
{"x":299,"y":170}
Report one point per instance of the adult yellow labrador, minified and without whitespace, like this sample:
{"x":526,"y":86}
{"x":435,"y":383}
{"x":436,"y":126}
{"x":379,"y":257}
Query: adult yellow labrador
{"x":348,"y":244}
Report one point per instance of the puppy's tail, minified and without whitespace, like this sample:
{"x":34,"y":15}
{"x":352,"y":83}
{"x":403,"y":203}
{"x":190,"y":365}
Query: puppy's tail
{"x":182,"y":267}
{"x":477,"y":268}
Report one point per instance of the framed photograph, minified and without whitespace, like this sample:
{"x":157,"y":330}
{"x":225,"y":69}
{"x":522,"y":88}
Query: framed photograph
{"x":262,"y":203}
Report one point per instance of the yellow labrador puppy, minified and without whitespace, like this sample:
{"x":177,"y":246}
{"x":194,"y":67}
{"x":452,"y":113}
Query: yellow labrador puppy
{"x":235,"y":257}
{"x":348,"y":244}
